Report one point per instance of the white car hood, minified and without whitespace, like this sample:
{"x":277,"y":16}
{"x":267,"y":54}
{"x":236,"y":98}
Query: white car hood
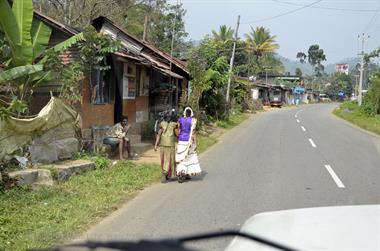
{"x":325,"y":228}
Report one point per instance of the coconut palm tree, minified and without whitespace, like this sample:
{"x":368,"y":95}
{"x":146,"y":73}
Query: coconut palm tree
{"x":260,"y":42}
{"x":224,"y":34}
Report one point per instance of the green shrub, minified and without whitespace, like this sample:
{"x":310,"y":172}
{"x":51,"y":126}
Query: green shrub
{"x":371,"y":101}
{"x":147,"y":130}
{"x":352,"y":106}
{"x":101,"y":162}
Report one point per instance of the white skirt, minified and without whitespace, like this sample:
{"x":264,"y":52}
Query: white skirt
{"x":187,"y":160}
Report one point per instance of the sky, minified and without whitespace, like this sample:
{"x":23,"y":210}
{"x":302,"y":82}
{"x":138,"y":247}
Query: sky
{"x":333,"y":24}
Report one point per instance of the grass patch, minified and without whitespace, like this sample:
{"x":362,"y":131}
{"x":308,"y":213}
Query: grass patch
{"x":234,"y":120}
{"x":351,"y":112}
{"x":204,"y":142}
{"x":48,"y":216}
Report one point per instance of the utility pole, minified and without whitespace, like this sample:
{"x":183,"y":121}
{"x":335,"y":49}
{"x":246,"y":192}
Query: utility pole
{"x":170,"y":63}
{"x":145,"y":27}
{"x":356,"y":86}
{"x":232,"y":61}
{"x":360,"y":94}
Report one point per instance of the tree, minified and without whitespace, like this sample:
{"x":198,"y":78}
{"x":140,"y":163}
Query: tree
{"x":27,"y":40}
{"x":315,"y":57}
{"x":298,"y":72}
{"x":259,"y":43}
{"x":372,"y":98}
{"x":31,"y":63}
{"x":167,"y":24}
{"x":224,"y":34}
{"x":340,"y":82}
{"x":80,"y":13}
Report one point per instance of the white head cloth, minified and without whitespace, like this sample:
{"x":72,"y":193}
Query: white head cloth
{"x":188,"y":108}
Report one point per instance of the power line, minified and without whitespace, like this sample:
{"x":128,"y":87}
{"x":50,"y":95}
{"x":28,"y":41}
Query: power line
{"x":325,"y":8}
{"x":373,"y":20}
{"x":283,"y":14}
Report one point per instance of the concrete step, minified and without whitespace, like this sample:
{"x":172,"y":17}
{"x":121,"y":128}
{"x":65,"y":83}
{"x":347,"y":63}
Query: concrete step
{"x":65,"y":171}
{"x":141,"y":147}
{"x":32,"y":177}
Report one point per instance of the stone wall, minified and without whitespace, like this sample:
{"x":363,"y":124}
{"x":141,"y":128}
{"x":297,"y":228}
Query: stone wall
{"x":56,"y":144}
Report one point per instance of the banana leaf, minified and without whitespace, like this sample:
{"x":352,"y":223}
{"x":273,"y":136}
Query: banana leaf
{"x":20,"y":71}
{"x":23,"y":12}
{"x":65,"y":45}
{"x":9,"y":24}
{"x":69,"y":42}
{"x":40,"y":37}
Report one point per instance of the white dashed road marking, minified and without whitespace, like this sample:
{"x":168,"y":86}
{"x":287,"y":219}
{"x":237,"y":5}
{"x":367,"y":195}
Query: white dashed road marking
{"x":335,"y":177}
{"x":312,"y":143}
{"x":303,"y":128}
{"x":298,"y":120}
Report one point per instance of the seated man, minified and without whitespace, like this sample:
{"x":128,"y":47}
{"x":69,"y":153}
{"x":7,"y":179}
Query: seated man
{"x":117,"y":134}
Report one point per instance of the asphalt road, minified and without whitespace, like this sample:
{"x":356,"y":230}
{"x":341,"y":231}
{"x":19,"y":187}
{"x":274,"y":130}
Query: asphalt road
{"x":283,"y":159}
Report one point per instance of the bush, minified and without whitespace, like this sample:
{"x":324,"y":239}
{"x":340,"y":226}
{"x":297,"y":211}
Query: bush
{"x":371,"y":101}
{"x":147,"y":130}
{"x":101,"y":162}
{"x":352,"y":106}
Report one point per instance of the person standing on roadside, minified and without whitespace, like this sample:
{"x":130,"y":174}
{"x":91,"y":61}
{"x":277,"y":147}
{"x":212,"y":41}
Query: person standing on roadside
{"x":166,"y":139}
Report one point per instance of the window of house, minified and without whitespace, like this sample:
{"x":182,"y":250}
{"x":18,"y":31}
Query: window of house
{"x":100,"y":93}
{"x":129,"y":81}
{"x":144,"y":82}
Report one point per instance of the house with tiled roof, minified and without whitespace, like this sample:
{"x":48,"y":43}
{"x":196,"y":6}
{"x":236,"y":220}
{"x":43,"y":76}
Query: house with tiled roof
{"x":142,"y":80}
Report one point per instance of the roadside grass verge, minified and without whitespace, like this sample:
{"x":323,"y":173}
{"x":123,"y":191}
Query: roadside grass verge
{"x":234,"y":120}
{"x":47,"y":216}
{"x":204,"y":142}
{"x":351,"y":112}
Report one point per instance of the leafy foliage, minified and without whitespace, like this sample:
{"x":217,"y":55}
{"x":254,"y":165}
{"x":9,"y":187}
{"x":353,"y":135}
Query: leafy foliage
{"x":315,"y":56}
{"x":162,"y":18}
{"x":340,"y":82}
{"x":28,"y":62}
{"x":224,"y":34}
{"x":371,"y":104}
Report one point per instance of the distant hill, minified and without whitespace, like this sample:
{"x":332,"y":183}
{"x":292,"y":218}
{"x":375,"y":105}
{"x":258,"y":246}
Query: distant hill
{"x":291,"y":65}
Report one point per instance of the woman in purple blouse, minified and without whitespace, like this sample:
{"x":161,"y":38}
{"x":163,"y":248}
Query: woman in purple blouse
{"x":186,"y":157}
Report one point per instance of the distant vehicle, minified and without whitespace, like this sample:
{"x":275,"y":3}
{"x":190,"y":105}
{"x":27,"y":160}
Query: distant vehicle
{"x":321,"y":228}
{"x":324,"y":98}
{"x":275,"y":98}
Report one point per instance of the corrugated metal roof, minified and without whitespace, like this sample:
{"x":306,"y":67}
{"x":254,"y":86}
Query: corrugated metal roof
{"x":128,"y":56}
{"x":155,"y":61}
{"x":168,"y":72}
{"x":178,"y":63}
{"x":55,"y":23}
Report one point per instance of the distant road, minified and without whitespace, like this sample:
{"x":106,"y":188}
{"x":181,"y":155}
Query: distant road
{"x":284,"y":159}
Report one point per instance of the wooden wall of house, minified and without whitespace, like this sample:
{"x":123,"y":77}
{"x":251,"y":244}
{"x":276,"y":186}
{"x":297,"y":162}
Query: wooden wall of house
{"x":136,"y":109}
{"x":95,"y":114}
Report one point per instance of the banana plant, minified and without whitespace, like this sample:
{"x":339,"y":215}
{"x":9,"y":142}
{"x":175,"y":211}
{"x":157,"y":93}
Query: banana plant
{"x":28,"y":40}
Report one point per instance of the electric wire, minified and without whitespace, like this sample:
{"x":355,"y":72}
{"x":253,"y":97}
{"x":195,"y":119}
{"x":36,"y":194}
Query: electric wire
{"x":282,"y":14}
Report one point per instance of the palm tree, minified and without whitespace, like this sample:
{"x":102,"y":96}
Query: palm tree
{"x":224,"y":34}
{"x":260,"y":42}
